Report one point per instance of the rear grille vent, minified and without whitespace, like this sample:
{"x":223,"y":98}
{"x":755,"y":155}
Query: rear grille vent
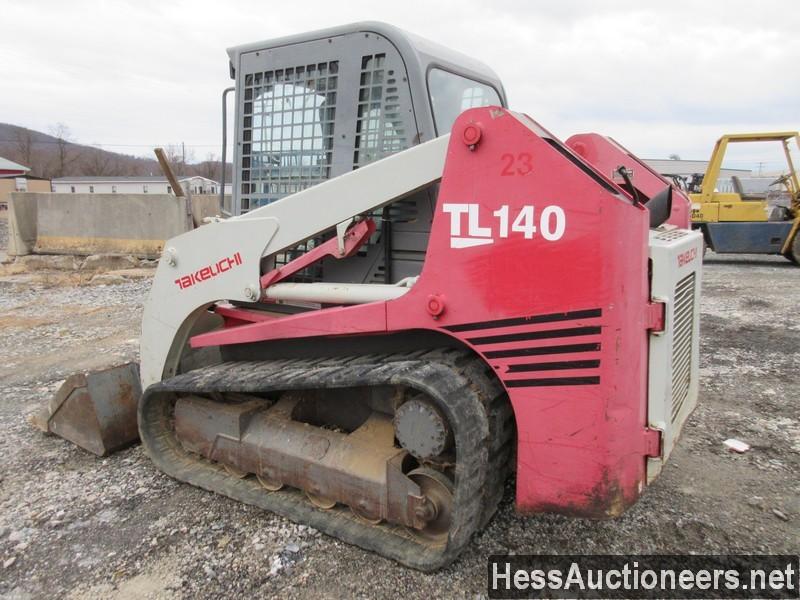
{"x":682,"y":342}
{"x":674,"y":234}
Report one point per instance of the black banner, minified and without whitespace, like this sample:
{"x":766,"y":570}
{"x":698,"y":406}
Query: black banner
{"x":643,"y":576}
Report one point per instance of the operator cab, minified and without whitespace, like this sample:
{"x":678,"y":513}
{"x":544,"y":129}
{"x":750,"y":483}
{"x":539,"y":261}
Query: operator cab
{"x":317,"y":105}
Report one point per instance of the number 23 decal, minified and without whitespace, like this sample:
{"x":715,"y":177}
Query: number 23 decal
{"x":520,"y":164}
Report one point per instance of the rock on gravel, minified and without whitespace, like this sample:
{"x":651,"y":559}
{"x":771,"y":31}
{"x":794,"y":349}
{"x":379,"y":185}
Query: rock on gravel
{"x":56,"y":262}
{"x":109,"y":262}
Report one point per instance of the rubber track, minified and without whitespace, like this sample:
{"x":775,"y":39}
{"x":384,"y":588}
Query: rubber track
{"x":473,"y":401}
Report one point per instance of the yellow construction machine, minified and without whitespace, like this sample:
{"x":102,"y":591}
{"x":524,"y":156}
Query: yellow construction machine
{"x":738,"y":222}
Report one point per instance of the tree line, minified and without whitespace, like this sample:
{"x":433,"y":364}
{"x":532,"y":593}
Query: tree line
{"x":56,"y":154}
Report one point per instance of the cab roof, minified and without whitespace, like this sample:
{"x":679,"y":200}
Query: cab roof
{"x":417,"y":52}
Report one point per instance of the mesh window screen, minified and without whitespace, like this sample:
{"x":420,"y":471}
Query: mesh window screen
{"x":347,"y":105}
{"x":288,"y":127}
{"x":379,"y":128}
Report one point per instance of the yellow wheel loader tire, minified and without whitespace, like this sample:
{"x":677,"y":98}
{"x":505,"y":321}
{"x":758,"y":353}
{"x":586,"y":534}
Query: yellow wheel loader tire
{"x":794,"y":250}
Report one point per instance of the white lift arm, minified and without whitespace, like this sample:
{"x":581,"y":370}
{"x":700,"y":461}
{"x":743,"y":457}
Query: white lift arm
{"x":221,"y":260}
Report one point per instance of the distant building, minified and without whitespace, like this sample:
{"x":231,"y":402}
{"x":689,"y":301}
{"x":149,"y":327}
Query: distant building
{"x":687,"y":168}
{"x":16,"y":178}
{"x":195,"y":184}
{"x":11,"y":169}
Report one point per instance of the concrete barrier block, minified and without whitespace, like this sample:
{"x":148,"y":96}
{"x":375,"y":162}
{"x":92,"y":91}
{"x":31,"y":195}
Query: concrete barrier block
{"x":132,"y":224}
{"x":22,"y":217}
{"x":204,"y":206}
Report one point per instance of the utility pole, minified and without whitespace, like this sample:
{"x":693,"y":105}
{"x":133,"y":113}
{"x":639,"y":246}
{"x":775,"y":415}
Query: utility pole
{"x":760,"y":167}
{"x":183,"y":156}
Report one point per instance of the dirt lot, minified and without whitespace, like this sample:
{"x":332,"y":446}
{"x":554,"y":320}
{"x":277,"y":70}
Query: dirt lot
{"x":76,"y":526}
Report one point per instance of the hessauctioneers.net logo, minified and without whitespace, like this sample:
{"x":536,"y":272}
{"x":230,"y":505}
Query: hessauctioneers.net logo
{"x":644,"y":577}
{"x":209,"y":271}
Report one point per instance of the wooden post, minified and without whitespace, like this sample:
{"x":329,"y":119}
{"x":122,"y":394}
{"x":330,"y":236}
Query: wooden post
{"x":167,"y":169}
{"x":176,"y":186}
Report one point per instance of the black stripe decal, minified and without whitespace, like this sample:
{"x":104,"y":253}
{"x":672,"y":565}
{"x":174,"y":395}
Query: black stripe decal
{"x":534,"y":335}
{"x":551,"y":318}
{"x":554,"y":366}
{"x":552,"y":381}
{"x":565,"y":349}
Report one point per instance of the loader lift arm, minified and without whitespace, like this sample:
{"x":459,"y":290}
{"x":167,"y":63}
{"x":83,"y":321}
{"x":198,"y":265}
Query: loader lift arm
{"x":222,"y":260}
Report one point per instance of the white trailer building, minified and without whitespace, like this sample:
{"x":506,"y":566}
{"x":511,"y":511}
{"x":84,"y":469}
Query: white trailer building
{"x":194,"y":184}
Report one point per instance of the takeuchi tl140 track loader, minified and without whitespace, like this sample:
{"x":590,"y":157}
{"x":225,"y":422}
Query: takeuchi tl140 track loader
{"x":419,"y":293}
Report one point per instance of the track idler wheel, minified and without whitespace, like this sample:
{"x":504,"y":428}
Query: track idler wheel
{"x":437,"y":488}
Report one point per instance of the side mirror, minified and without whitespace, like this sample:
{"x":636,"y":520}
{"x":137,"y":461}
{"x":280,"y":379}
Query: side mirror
{"x":660,"y":207}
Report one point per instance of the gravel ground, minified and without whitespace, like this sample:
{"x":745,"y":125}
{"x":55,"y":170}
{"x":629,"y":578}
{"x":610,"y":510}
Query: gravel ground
{"x":76,"y":526}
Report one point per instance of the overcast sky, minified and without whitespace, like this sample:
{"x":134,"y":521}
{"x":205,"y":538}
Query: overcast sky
{"x":660,"y":77}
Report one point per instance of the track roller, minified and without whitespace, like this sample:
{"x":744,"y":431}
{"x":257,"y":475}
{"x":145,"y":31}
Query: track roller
{"x":320,"y":501}
{"x":233,"y":471}
{"x":271,"y":485}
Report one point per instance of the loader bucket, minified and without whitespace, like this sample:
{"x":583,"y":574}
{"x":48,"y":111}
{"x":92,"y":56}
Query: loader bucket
{"x":96,"y":411}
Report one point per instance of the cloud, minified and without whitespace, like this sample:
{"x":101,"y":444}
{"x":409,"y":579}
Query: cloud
{"x":660,"y":77}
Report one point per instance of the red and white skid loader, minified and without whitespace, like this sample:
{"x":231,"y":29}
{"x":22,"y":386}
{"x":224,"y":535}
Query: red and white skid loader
{"x":371,"y":347}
